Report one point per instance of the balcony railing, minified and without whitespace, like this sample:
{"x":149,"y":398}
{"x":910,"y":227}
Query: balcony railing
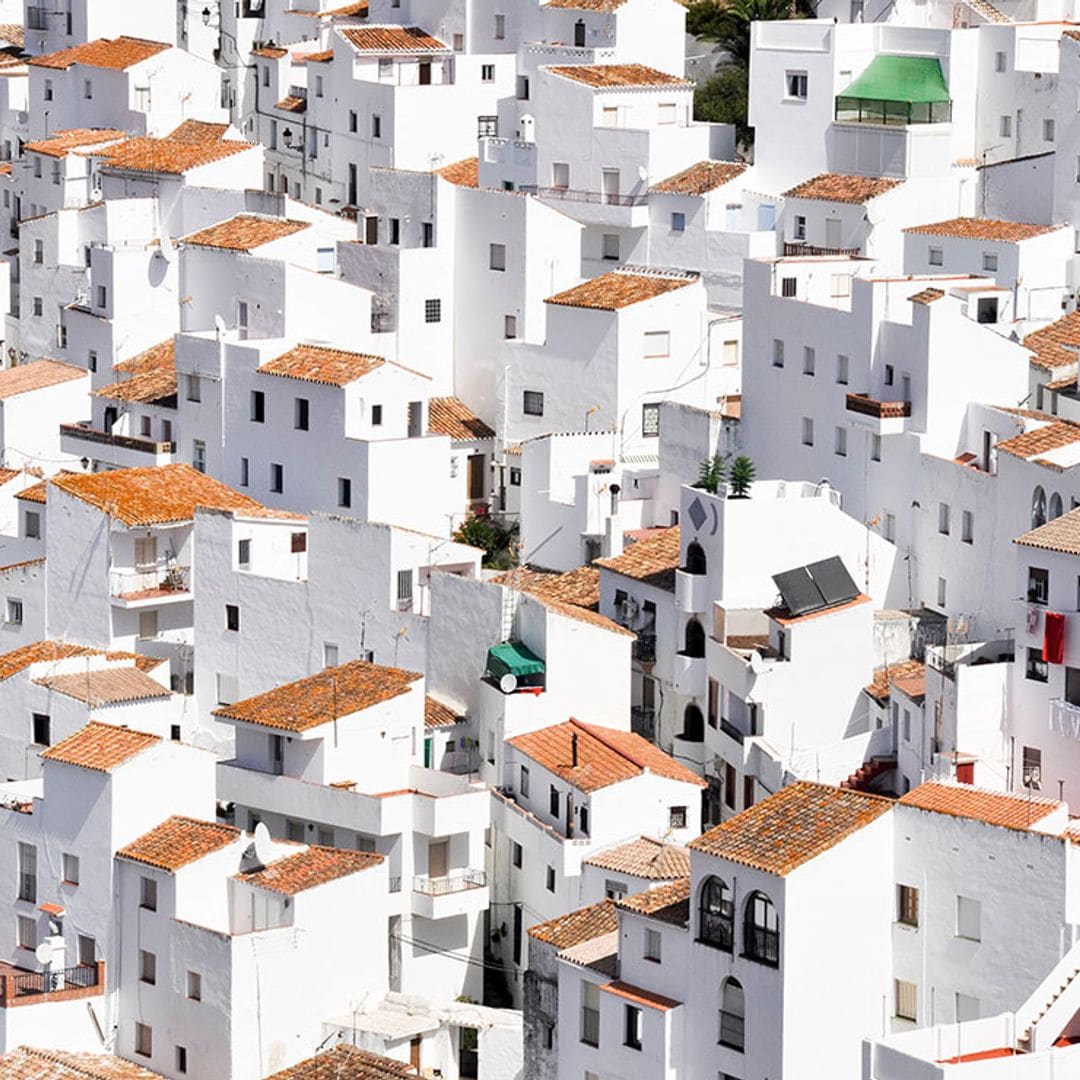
{"x":573,"y":195}
{"x":643,"y":721}
{"x":29,"y":987}
{"x":882,"y":410}
{"x":108,"y":438}
{"x":163,"y":579}
{"x":800,"y":247}
{"x":645,"y":648}
{"x":454,"y":882}
{"x":731,"y":731}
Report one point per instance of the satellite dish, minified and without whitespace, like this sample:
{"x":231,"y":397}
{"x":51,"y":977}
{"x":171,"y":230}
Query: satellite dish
{"x":264,"y":846}
{"x":44,"y":953}
{"x":219,"y":325}
{"x":757,"y":664}
{"x":508,"y":683}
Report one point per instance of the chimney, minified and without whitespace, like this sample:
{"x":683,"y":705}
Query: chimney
{"x":573,"y":749}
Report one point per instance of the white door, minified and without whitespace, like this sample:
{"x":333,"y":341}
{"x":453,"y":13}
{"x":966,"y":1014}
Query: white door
{"x":832,"y":233}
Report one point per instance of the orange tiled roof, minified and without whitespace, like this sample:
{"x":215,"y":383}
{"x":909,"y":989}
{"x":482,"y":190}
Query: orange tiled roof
{"x":619,"y":76}
{"x":465,"y":173}
{"x":117,"y":53}
{"x":653,"y":559}
{"x":319,"y":364}
{"x":31,"y":1063}
{"x":101,"y":747}
{"x":148,"y":379}
{"x":703,"y":177}
{"x":178,"y":841}
{"x":1041,"y":440}
{"x":884,"y":677}
{"x":245,"y":232}
{"x":152,"y":496}
{"x":270,"y":52}
{"x":798,"y":823}
{"x":318,"y":699}
{"x":13,"y":34}
{"x":1048,"y":344}
{"x":976,"y":228}
{"x":990,"y":807}
{"x":439,"y":715}
{"x":837,"y":187}
{"x":645,"y":857}
{"x":198,"y":131}
{"x":323,"y":57}
{"x":640,"y":996}
{"x":451,"y":416}
{"x":607,"y":6}
{"x":358,"y":8}
{"x":618,"y":289}
{"x":171,"y":157}
{"x":927,"y":296}
{"x":584,"y":615}
{"x":585,"y":924}
{"x":35,"y":492}
{"x":43,"y":652}
{"x":59,"y":143}
{"x":579,"y":587}
{"x":309,"y":868}
{"x":35,"y":376}
{"x":668,"y":903}
{"x":345,"y":1062}
{"x":106,"y":686}
{"x":1061,"y":534}
{"x":605,"y":756}
{"x":383,"y":39}
{"x":292,"y":104}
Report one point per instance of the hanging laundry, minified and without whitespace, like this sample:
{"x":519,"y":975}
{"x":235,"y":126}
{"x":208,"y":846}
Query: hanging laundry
{"x":1054,"y":637}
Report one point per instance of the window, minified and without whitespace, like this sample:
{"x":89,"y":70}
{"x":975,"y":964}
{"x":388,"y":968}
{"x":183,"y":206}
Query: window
{"x":91,"y":360}
{"x":650,"y":421}
{"x":277,"y":478}
{"x":943,"y":519}
{"x":27,"y":872}
{"x":798,"y":229}
{"x":329,"y":654}
{"x":968,"y":918}
{"x":807,"y":431}
{"x":999,"y":62}
{"x":26,"y":930}
{"x":875,"y":447}
{"x":432,"y":311}
{"x":633,"y":1026}
{"x":676,"y":817}
{"x":1038,"y":590}
{"x":41,"y":729}
{"x":1038,"y":507}
{"x":344,"y":491}
{"x":553,"y":800}
{"x":376,"y":415}
{"x":1031,"y":772}
{"x":657,"y":344}
{"x":198,"y":455}
{"x":652,"y":944}
{"x":532,"y":403}
{"x":39,"y":251}
{"x":777,"y":353}
{"x":395,"y":230}
{"x":840,"y":285}
{"x":258,"y":407}
{"x":88,"y":89}
{"x":487,"y":127}
{"x":102,"y":296}
{"x":989,"y":261}
{"x":731,"y":354}
{"x":245,"y":472}
{"x":1037,"y":668}
{"x":243,"y":554}
{"x":667,"y":113}
{"x":48,"y":92}
{"x":967,"y":527}
{"x":147,"y":967}
{"x":788,"y":286}
{"x":906,"y":995}
{"x":32,"y":521}
{"x":14,"y":612}
{"x":524,"y":785}
{"x":935,"y":256}
{"x":37,"y":167}
{"x":37,"y":306}
{"x":500,"y":27}
{"x":376,"y":126}
{"x":590,"y":1014}
{"x":515,"y":481}
{"x":353,"y":127}
{"x":732,"y":1015}
{"x":404,"y":590}
{"x":843,"y":367}
{"x":1048,"y":130}
{"x":796,"y":85}
{"x":497,"y":256}
{"x":808,"y":360}
{"x":550,"y":879}
{"x":515,"y":854}
{"x":87,"y":950}
{"x":70,"y":869}
{"x":427,"y":234}
{"x":610,"y":246}
{"x":148,"y":893}
{"x":509,"y":327}
{"x":907,"y":905}
{"x":300,"y":414}
{"x":487,"y":72}
{"x":840,"y":444}
{"x":678,"y":222}
{"x":232,"y":617}
{"x":1005,"y":127}
{"x":716,"y":915}
{"x":181,"y":1059}
{"x":144,"y":1040}
{"x":615,"y":890}
{"x":888,"y":528}
{"x":761,"y":930}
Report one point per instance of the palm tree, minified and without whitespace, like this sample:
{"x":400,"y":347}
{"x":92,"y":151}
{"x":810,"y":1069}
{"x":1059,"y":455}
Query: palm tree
{"x":728,"y":23}
{"x":742,"y":476}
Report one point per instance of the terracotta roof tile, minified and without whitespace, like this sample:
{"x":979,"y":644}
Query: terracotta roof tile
{"x":619,"y":289}
{"x":579,"y":587}
{"x":645,"y":858}
{"x":798,"y":823}
{"x":1041,"y":440}
{"x":101,"y":747}
{"x":885,"y":676}
{"x":451,"y":416}
{"x":640,"y":996}
{"x":147,"y":379}
{"x":345,"y":1062}
{"x":607,"y":6}
{"x":44,"y":652}
{"x":318,"y":364}
{"x":703,"y":177}
{"x":270,"y":52}
{"x":605,"y":756}
{"x":464,"y":173}
{"x":30,"y":1063}
{"x":383,"y":39}
{"x":171,"y":157}
{"x":106,"y":686}
{"x":318,"y":699}
{"x":13,"y":34}
{"x":669,"y":903}
{"x":838,"y":187}
{"x":1048,"y":344}
{"x":152,"y":496}
{"x":178,"y":841}
{"x":322,"y":57}
{"x":309,"y":868}
{"x":117,"y":53}
{"x":35,"y":376}
{"x":245,"y":232}
{"x":292,"y":104}
{"x":60,"y":143}
{"x":360,"y":7}
{"x":990,"y":807}
{"x":927,"y":296}
{"x":198,"y":131}
{"x":439,"y":715}
{"x":619,"y":76}
{"x":34,"y":493}
{"x":652,"y":560}
{"x":585,"y":924}
{"x":1061,"y":534}
{"x":975,"y":228}
{"x":7,"y":475}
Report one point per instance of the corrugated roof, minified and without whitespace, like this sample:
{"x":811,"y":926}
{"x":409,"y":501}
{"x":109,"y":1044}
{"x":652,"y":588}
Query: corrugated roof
{"x":117,"y":53}
{"x":36,"y":376}
{"x":619,"y":289}
{"x":977,"y":228}
{"x":653,"y":560}
{"x":106,"y":686}
{"x":178,"y":841}
{"x":451,"y":416}
{"x":703,"y":177}
{"x":619,"y":76}
{"x":309,"y":868}
{"x":384,"y":39}
{"x":645,"y":857}
{"x":101,"y":747}
{"x":146,"y":379}
{"x":788,"y":829}
{"x":345,"y":1062}
{"x":585,"y":924}
{"x":245,"y":232}
{"x":318,"y":699}
{"x":839,"y":187}
{"x":990,"y":807}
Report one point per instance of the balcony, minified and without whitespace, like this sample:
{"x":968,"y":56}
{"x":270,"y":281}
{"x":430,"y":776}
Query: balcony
{"x":460,"y":892}
{"x":643,"y":721}
{"x":691,"y":592}
{"x":881,"y":417}
{"x":645,"y":648}
{"x":151,"y":587}
{"x":128,"y":451}
{"x":21,"y":987}
{"x":1065,"y":718}
{"x":689,"y":673}
{"x":619,"y":209}
{"x":800,"y":247}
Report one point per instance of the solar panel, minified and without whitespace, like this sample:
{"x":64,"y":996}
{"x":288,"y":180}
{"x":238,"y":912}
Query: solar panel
{"x":832,"y":578}
{"x":799,"y":593}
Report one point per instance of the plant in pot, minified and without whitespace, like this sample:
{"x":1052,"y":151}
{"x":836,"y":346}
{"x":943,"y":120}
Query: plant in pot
{"x":741,"y":477}
{"x":711,"y":474}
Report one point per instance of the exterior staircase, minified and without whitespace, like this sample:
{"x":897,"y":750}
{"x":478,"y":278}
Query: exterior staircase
{"x":868,"y":772}
{"x":987,"y":11}
{"x":1043,"y":1017}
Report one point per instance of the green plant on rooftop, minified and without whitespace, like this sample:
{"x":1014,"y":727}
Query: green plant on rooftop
{"x":711,"y":474}
{"x":741,"y":478}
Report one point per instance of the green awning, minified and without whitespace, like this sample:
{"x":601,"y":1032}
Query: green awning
{"x":914,"y":79}
{"x":513,"y":658}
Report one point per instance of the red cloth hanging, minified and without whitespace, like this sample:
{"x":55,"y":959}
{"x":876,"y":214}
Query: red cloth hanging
{"x":1054,"y":637}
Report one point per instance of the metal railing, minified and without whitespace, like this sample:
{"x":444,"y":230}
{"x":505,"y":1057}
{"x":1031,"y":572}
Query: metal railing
{"x":164,"y":578}
{"x":454,"y":882}
{"x":643,"y":720}
{"x":645,"y":648}
{"x":395,"y":884}
{"x":763,"y":945}
{"x":731,"y":731}
{"x":716,"y":929}
{"x":606,"y":198}
{"x":799,"y":247}
{"x":80,"y":977}
{"x":108,"y":438}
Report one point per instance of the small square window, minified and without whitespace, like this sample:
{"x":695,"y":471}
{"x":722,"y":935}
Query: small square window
{"x":432,"y":311}
{"x":678,"y":222}
{"x":32,"y":524}
{"x":797,"y":85}
{"x":497,"y":256}
{"x":1038,"y":590}
{"x":42,"y":729}
{"x":677,"y":817}
{"x":650,"y":421}
{"x":610,"y":246}
{"x":990,"y":262}
{"x":14,"y":611}
{"x":148,"y":894}
{"x":487,"y":72}
{"x":70,"y":868}
{"x":788,"y":286}
{"x":935,"y":256}
{"x":533,"y":403}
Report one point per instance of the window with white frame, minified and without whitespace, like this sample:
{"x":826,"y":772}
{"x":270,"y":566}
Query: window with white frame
{"x":990,"y":261}
{"x":652,"y":944}
{"x":796,"y":85}
{"x":935,"y":256}
{"x":657,"y":344}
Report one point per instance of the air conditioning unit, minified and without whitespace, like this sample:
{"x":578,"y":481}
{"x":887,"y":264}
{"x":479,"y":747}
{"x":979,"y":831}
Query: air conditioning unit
{"x":628,"y":610}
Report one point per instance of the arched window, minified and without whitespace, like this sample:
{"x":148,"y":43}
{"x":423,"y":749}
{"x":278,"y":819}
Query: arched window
{"x":716,"y":915}
{"x":732,"y":1015}
{"x":1056,"y":508}
{"x":1038,"y":507}
{"x":761,"y":930}
{"x":693,"y":724}
{"x":694,"y":639}
{"x":695,"y":558}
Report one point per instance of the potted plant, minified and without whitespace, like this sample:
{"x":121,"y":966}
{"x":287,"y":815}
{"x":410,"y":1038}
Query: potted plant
{"x":711,"y":474}
{"x":741,"y":478}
